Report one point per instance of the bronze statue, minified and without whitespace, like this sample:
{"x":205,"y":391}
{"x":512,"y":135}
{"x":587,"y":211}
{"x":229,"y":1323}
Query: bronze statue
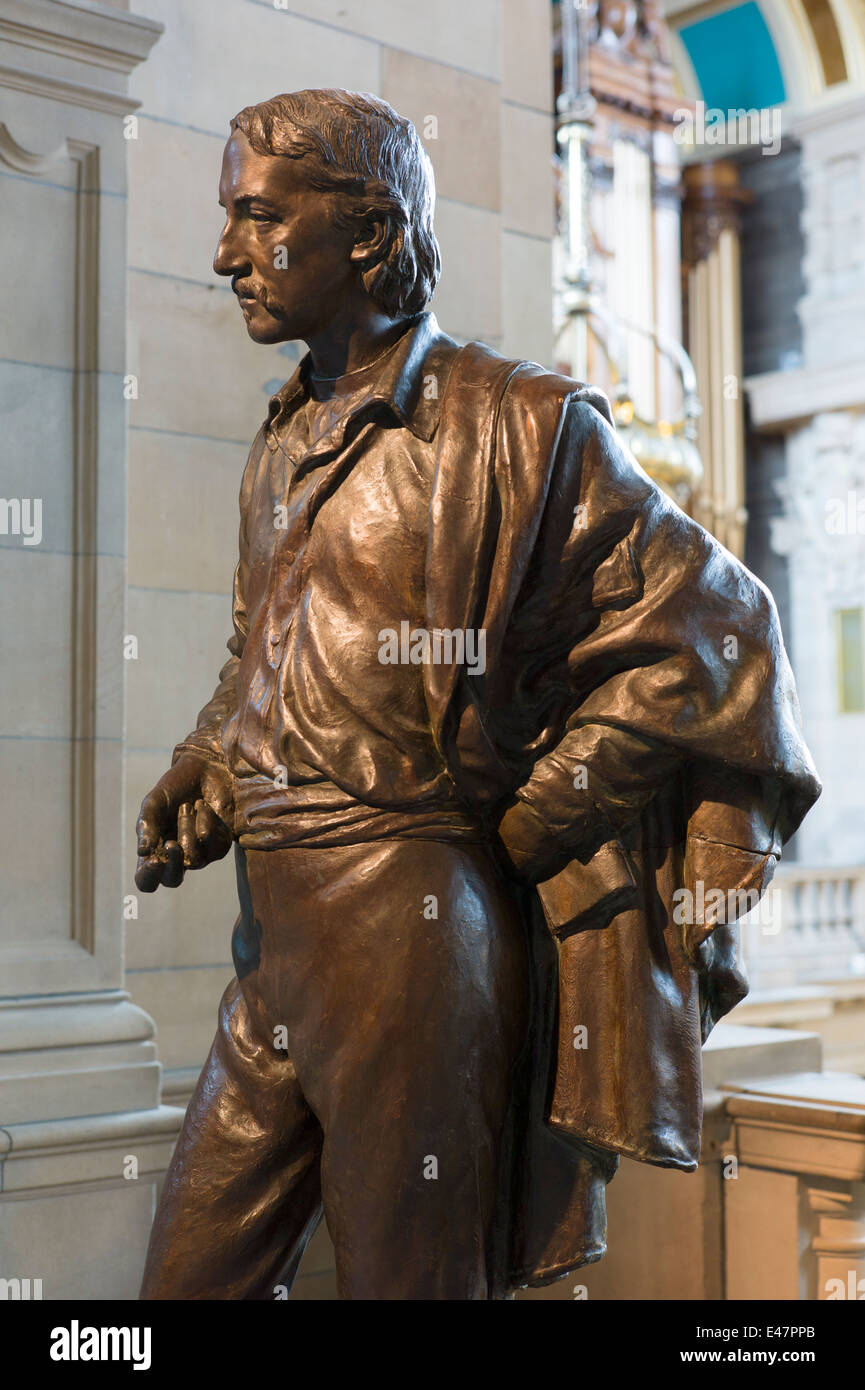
{"x":494,"y":708}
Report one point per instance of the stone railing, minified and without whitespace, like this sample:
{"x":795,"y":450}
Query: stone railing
{"x":810,"y":927}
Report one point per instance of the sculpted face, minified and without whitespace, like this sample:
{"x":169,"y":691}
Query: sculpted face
{"x":290,"y":267}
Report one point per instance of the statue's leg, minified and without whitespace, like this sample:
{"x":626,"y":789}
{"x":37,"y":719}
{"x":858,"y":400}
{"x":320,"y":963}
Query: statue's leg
{"x":400,"y":972}
{"x":242,"y":1195}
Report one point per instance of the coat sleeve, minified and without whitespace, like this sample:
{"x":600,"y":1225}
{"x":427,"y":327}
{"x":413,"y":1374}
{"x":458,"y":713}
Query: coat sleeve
{"x":670,"y":661}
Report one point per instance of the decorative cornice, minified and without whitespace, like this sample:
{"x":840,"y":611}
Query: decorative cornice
{"x":81,"y":30}
{"x":60,"y":88}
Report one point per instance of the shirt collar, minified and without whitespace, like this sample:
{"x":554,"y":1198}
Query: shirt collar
{"x":398,"y":382}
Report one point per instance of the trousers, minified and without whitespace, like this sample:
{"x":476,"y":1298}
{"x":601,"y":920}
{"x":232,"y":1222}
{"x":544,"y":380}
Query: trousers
{"x":361,"y":1069}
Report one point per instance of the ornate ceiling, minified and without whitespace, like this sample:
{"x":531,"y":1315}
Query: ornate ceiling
{"x":798,"y":55}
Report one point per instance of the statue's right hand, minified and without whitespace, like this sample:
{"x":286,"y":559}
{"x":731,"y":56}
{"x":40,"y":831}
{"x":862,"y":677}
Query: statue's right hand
{"x":183,"y":823}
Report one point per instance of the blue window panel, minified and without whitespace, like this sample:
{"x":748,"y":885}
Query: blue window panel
{"x":735,"y":59}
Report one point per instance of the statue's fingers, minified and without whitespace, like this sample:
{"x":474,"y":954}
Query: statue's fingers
{"x":213,"y":836}
{"x":148,"y":875}
{"x":150,"y":823}
{"x":172,"y":868}
{"x":186,"y":836}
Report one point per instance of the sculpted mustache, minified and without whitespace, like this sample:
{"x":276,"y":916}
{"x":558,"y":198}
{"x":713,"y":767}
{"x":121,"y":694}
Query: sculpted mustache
{"x":252,"y":292}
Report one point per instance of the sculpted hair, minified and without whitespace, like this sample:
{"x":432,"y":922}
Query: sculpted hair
{"x":357,"y":145}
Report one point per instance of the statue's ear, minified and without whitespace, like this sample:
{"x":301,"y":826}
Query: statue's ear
{"x":374,"y":241}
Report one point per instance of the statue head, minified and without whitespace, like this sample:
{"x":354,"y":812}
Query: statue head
{"x":329,"y":199}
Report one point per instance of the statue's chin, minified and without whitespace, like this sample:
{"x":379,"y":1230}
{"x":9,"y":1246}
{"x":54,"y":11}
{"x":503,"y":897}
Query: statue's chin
{"x":261,"y":325}
{"x":271,"y":332}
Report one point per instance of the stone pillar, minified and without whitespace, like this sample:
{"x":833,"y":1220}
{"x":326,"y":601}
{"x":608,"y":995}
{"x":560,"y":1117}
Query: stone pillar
{"x":713,"y":315}
{"x":83,"y":1135}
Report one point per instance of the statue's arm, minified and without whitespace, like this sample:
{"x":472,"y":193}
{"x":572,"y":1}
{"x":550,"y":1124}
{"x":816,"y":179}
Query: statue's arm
{"x":673,"y":655}
{"x":581,"y":795}
{"x":606,"y":768}
{"x":205,"y":740}
{"x":186,"y":820}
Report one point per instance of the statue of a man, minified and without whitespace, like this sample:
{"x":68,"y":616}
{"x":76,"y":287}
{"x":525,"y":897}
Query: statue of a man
{"x":505,"y":743}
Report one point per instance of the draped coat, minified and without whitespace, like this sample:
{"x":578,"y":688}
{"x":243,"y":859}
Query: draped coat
{"x":607,"y":611}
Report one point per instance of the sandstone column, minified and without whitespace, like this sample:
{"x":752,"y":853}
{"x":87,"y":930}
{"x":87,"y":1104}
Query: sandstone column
{"x":82,"y":1134}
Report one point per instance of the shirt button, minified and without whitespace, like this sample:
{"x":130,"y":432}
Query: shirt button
{"x":290,"y":557}
{"x":274,"y":639}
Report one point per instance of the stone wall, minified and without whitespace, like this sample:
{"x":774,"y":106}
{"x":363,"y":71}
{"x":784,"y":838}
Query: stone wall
{"x":83,"y":1138}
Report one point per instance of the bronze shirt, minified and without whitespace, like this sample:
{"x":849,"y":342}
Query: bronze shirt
{"x":327,"y":742}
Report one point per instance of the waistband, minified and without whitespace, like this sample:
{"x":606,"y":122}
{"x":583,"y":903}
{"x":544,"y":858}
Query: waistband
{"x":358,"y":825}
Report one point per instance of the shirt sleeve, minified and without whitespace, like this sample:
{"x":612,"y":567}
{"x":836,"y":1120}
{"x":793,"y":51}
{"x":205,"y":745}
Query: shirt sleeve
{"x":206,"y":738}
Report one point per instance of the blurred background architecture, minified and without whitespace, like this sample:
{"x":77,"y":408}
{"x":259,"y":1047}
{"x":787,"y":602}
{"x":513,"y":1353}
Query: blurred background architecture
{"x":666,"y":197}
